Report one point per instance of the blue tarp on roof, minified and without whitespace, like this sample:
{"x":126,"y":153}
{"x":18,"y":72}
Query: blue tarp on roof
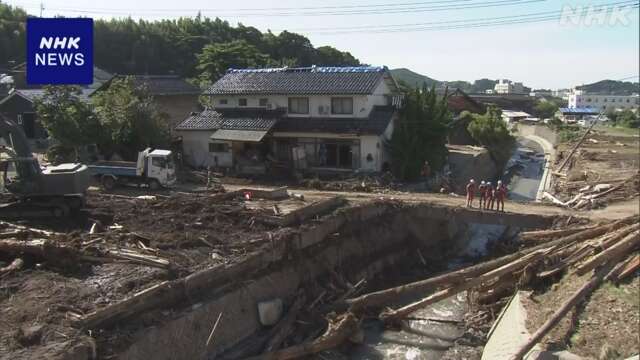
{"x":585,"y":111}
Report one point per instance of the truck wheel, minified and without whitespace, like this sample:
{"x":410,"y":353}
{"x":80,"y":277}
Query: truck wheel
{"x":154,"y":185}
{"x":108,"y":183}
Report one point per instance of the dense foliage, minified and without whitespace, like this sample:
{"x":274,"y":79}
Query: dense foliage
{"x":129,"y":118}
{"x":420,"y":133}
{"x":546,"y":109}
{"x":625,"y":118}
{"x":491,"y":131}
{"x":67,"y":117}
{"x":12,"y":34}
{"x":121,"y":119}
{"x":127,"y":46}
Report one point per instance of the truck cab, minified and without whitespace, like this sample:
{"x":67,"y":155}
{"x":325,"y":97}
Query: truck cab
{"x":157,"y":165}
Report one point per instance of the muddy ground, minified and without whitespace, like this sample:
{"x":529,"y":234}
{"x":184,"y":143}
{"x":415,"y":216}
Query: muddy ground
{"x":38,"y":303}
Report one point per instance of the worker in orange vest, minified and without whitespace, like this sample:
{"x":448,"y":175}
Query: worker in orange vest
{"x":471,"y":191}
{"x":482,"y":191}
{"x":501,"y":193}
{"x":488,"y":202}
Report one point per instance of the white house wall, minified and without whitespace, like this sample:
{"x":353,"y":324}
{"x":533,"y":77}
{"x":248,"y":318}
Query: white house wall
{"x":195,"y":147}
{"x":362,"y":104}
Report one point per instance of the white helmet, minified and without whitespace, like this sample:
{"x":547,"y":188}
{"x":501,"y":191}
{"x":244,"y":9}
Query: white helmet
{"x":499,"y":182}
{"x":472,"y":181}
{"x":482,"y":182}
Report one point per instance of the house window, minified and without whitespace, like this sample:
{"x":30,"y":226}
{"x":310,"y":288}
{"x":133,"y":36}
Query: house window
{"x":589,"y":100}
{"x":342,"y":105}
{"x":605,"y":100}
{"x":218,"y":147}
{"x":242,"y":102}
{"x":627,"y":101}
{"x":19,"y":119}
{"x":223,"y":101}
{"x":263,"y":102}
{"x":299,"y":105}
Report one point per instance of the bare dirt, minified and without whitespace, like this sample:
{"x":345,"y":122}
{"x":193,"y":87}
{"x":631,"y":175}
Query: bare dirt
{"x":603,"y":158}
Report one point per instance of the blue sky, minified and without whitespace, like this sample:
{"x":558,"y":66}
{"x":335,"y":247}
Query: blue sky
{"x":544,"y":54}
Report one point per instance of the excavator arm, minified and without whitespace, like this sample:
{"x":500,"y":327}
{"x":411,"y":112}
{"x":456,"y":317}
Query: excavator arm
{"x":56,"y":190}
{"x":28,"y":177}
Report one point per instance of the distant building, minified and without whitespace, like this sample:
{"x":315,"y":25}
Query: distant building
{"x":316,"y":119}
{"x":511,"y":116}
{"x":580,"y":99}
{"x":572,"y":115}
{"x":505,"y":86}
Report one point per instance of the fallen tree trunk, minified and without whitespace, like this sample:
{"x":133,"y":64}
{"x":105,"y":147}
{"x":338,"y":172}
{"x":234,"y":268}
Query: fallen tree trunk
{"x":547,"y":234}
{"x":40,"y":248}
{"x":631,"y":266}
{"x":394,"y":315}
{"x":580,"y":294}
{"x":623,"y":247}
{"x":338,"y":332}
{"x":383,"y":297}
{"x":16,"y":264}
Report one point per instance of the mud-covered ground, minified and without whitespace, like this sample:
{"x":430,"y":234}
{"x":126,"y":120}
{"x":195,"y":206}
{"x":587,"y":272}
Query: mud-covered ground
{"x":39,"y":302}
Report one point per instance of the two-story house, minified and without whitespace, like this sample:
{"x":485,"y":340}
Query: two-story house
{"x":313,"y":118}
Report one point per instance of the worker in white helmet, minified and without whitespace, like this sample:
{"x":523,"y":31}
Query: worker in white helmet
{"x":482,"y":191}
{"x":471,"y":192}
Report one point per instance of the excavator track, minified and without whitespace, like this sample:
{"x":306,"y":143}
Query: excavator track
{"x":42,"y":207}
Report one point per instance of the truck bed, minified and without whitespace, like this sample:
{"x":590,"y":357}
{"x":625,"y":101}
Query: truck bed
{"x":116,"y":168}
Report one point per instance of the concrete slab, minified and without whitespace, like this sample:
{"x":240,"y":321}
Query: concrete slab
{"x":509,"y":333}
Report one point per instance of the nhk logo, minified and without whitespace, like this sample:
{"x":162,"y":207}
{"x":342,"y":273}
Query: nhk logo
{"x":59,"y":51}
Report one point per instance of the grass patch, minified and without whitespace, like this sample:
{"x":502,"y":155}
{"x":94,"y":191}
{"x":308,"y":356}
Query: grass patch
{"x":618,"y":130}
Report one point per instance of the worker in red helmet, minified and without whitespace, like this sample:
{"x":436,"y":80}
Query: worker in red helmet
{"x":501,"y":193}
{"x":471,"y":192}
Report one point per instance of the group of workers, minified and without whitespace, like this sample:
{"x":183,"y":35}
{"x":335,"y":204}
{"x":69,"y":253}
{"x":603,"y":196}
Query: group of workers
{"x":488,"y":195}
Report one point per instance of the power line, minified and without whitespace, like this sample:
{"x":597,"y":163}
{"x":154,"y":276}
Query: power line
{"x":388,"y":9}
{"x":620,"y":4}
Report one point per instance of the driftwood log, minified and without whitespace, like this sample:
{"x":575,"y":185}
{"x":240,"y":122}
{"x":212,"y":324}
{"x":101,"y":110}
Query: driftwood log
{"x":339,"y":331}
{"x":390,"y":316}
{"x":619,"y":249}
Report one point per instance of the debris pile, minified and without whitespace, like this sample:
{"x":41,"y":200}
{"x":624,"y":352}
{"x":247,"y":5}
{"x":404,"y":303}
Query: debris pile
{"x":606,"y":250}
{"x":382,"y":183}
{"x":594,"y":196}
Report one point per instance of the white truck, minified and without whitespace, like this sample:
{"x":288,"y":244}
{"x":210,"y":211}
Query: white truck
{"x":154,"y":168}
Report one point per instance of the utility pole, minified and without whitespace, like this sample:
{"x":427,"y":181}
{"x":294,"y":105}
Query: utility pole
{"x":41,"y":8}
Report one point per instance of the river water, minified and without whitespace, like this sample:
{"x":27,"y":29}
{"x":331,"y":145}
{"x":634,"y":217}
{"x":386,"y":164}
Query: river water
{"x":524,"y":170}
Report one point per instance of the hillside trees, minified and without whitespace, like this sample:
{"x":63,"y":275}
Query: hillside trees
{"x":215,"y":59}
{"x":420,"y":133}
{"x":128,"y":46}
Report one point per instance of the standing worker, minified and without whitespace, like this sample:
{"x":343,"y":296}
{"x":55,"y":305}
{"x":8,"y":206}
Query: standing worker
{"x":471,"y":191}
{"x":501,"y":193}
{"x":426,"y":173}
{"x":488,"y":202}
{"x":482,"y":193}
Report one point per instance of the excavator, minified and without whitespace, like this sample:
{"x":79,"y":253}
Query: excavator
{"x":34,"y":191}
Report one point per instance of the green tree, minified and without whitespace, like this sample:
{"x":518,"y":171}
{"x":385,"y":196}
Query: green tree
{"x":68,"y":117}
{"x":130,"y":119}
{"x":491,"y":131}
{"x":545,"y":109}
{"x":12,"y":34}
{"x":628,"y":118}
{"x":420,"y":133}
{"x":215,"y":59}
